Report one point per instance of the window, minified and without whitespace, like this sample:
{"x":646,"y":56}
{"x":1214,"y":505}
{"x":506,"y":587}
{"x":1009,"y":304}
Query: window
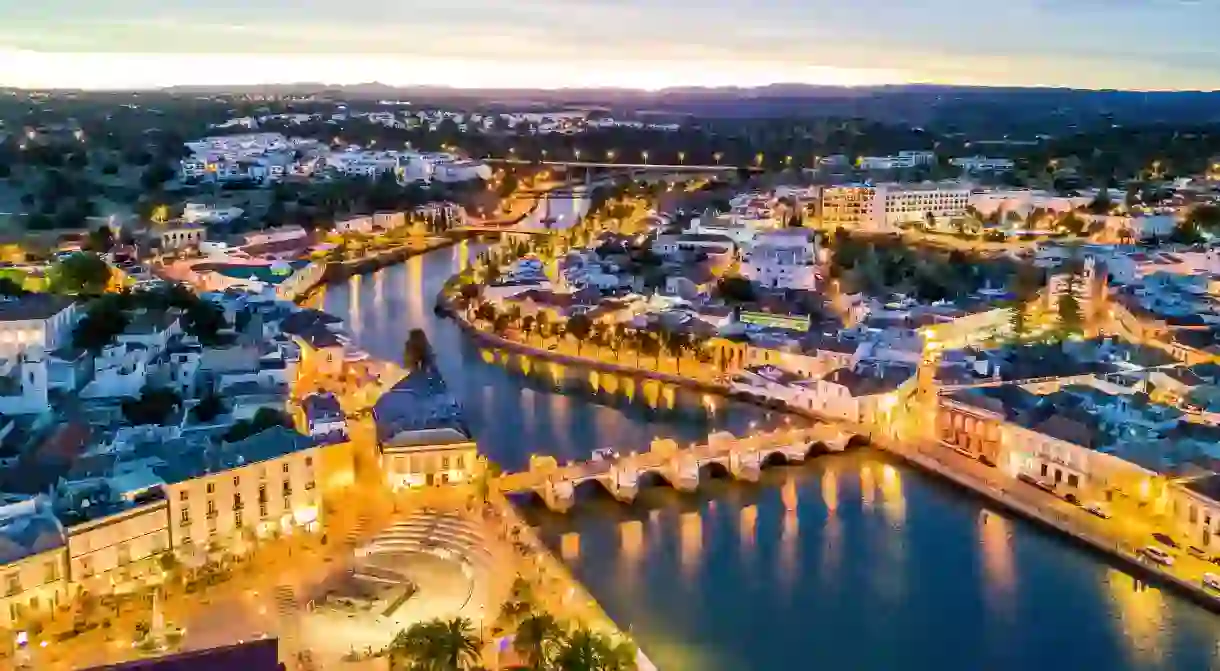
{"x":211,"y":509}
{"x":52,"y":571}
{"x":444,"y":463}
{"x":86,"y":565}
{"x":459,"y":462}
{"x":309,"y":485}
{"x":1073,"y":480}
{"x":262,"y":493}
{"x":12,"y":584}
{"x":1192,"y":514}
{"x":211,"y":487}
{"x":309,"y":461}
{"x":184,"y":516}
{"x":124,"y":552}
{"x":237,"y":518}
{"x":262,"y":508}
{"x":237,"y":502}
{"x":285,"y":467}
{"x":236,"y":480}
{"x":1044,"y":470}
{"x":287,"y":490}
{"x":183,"y":495}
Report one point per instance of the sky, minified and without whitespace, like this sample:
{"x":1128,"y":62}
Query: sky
{"x":107,"y":44}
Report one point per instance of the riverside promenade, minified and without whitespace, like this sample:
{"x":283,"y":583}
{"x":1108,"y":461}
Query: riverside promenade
{"x":1111,"y":537}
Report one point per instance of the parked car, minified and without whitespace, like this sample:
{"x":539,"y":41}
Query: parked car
{"x":1197,"y":552}
{"x":1031,"y":480}
{"x":1212,"y":581}
{"x":1164,"y":540}
{"x":1157,"y":555}
{"x":1097,"y":509}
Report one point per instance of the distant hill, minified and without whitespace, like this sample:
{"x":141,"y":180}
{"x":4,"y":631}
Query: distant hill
{"x":946,"y":107}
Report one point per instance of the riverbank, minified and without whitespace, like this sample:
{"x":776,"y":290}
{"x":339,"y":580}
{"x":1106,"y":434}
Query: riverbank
{"x":980,"y":480}
{"x":337,"y":271}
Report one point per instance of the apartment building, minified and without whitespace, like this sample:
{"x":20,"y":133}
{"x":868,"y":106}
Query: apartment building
{"x":43,"y":320}
{"x":33,"y":577}
{"x":983,"y":164}
{"x":783,"y":259}
{"x":904,"y":160}
{"x":884,"y":207}
{"x":422,"y":437}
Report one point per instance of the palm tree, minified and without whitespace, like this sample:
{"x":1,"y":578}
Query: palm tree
{"x":437,"y":645}
{"x":537,"y":640}
{"x":584,"y":650}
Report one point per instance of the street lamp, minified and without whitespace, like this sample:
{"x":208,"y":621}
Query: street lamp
{"x":610,"y":156}
{"x":681,"y":157}
{"x":717,"y":156}
{"x":758,"y":158}
{"x":576,"y":153}
{"x":645,"y":155}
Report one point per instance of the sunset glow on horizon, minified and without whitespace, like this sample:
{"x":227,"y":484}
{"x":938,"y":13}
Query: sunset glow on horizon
{"x":1156,"y":44}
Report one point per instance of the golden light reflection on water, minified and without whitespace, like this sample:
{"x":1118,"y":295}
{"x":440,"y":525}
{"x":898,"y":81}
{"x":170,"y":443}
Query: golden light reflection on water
{"x":415,"y":289}
{"x":999,"y":572}
{"x":1141,"y":613}
{"x":893,"y":501}
{"x":631,"y":550}
{"x":867,"y":487}
{"x":570,"y":546}
{"x":379,"y":287}
{"x":353,"y":290}
{"x":747,"y":529}
{"x":788,"y":533}
{"x":830,"y":489}
{"x":692,"y":542}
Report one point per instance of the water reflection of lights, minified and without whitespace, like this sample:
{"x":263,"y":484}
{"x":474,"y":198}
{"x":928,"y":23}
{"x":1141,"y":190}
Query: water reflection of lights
{"x":631,"y":549}
{"x":867,"y":485}
{"x":709,"y":402}
{"x":692,"y":541}
{"x":830,"y":489}
{"x":353,"y":290}
{"x":415,"y":287}
{"x":570,"y":546}
{"x":379,"y":287}
{"x":789,"y":531}
{"x":749,"y":522}
{"x":995,"y":534}
{"x":1141,"y":610}
{"x":893,"y":501}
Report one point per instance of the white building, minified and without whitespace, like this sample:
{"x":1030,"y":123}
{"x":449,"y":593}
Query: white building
{"x":885,"y":206}
{"x":904,"y":160}
{"x":200,"y":213}
{"x":983,"y":164}
{"x":783,"y":259}
{"x":44,"y":320}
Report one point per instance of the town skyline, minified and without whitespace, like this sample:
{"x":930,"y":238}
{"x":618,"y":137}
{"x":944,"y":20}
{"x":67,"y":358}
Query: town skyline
{"x":546,"y":44}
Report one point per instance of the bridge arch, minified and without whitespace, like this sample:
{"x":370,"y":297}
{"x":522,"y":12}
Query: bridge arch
{"x":652,"y":478}
{"x":818,"y":448}
{"x":591,"y":488}
{"x":776,"y":458}
{"x":855,"y":440}
{"x":714,"y":470}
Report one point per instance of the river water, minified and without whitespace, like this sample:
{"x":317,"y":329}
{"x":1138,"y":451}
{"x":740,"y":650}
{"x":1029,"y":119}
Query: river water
{"x":847,"y":562}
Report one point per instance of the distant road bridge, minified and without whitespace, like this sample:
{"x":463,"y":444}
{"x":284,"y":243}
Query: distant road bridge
{"x":681,"y":167}
{"x":682,"y":468}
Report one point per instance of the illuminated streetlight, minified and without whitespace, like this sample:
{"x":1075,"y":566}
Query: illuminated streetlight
{"x":610,"y":156}
{"x":681,"y":157}
{"x":758,"y":158}
{"x":645,"y":155}
{"x":718,"y":156}
{"x":576,"y":153}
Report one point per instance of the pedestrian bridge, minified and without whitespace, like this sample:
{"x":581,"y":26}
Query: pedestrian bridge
{"x":681,"y":467}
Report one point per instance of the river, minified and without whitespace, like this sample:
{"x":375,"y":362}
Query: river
{"x":849,"y":562}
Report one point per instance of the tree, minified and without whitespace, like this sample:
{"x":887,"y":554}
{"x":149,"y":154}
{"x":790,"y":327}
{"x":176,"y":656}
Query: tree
{"x":82,"y":273}
{"x":537,"y":640}
{"x":417,"y":354}
{"x":155,"y":405}
{"x":1205,"y":218}
{"x":677,"y":342}
{"x":1073,"y":224}
{"x":579,"y":326}
{"x":103,"y":320}
{"x":100,"y":240}
{"x":736,"y":289}
{"x":1070,"y":316}
{"x":209,"y":407}
{"x":584,"y":650}
{"x":437,"y":645}
{"x":204,"y":321}
{"x":264,"y":418}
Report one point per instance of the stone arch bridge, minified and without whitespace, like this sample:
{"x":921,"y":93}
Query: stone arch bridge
{"x":680,"y":467}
